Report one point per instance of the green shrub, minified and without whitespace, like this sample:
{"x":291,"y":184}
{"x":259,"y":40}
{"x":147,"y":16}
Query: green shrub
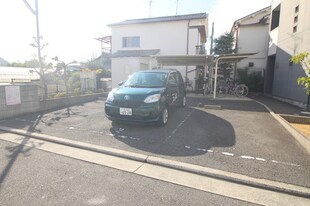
{"x":77,"y":91}
{"x":88,"y":92}
{"x":254,"y":81}
{"x":59,"y":95}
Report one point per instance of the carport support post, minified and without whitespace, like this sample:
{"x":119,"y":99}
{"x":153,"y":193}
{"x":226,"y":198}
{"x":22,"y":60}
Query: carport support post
{"x":216,"y":67}
{"x":186,"y":69}
{"x":215,"y":76}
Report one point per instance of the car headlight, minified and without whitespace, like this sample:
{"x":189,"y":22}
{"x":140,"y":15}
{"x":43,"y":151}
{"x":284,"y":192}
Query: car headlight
{"x":152,"y":98}
{"x":110,"y":97}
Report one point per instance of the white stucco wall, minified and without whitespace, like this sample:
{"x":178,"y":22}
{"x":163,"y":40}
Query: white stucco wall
{"x":251,"y":35}
{"x":169,"y":37}
{"x":122,"y":68}
{"x":253,"y":39}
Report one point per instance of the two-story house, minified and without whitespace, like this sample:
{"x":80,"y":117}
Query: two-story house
{"x":251,"y":35}
{"x":135,"y":42}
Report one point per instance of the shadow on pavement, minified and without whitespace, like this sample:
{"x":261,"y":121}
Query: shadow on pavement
{"x":33,"y":120}
{"x":189,"y":132}
{"x":13,"y":152}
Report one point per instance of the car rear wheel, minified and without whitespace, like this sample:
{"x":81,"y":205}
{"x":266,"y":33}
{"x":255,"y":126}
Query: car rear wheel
{"x":163,"y":117}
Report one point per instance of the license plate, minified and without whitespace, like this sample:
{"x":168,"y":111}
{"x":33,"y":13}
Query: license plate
{"x":125,"y":111}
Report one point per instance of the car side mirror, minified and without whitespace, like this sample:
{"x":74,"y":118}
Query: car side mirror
{"x":120,"y":83}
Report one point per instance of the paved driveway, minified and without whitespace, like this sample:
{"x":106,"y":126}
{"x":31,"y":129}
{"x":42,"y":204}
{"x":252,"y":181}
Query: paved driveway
{"x":242,"y":137}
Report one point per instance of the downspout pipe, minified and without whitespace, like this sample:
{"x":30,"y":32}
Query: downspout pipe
{"x":236,"y":47}
{"x":187,"y":42}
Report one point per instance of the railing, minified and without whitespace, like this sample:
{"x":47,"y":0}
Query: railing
{"x":200,"y":49}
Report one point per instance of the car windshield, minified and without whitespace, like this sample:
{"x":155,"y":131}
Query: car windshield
{"x":146,"y":79}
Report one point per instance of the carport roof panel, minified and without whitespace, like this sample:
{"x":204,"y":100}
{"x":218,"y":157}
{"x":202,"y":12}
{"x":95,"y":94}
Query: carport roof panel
{"x":234,"y":57}
{"x":135,"y":53}
{"x":183,"y":60}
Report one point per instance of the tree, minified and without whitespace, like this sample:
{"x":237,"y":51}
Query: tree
{"x":304,"y":60}
{"x":224,"y":45}
{"x":74,"y":81}
{"x":36,"y":44}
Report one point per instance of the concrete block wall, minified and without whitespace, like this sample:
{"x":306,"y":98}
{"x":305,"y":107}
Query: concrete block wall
{"x":30,"y":101}
{"x":63,"y":102}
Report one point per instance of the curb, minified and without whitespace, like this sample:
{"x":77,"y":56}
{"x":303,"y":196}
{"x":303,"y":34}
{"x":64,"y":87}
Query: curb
{"x":301,"y":139}
{"x":186,"y":167}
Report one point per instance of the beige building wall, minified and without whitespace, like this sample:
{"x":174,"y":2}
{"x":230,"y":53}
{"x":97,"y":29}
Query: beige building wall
{"x":293,"y":37}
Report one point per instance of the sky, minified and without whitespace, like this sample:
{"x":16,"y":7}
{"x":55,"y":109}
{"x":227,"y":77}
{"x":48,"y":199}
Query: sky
{"x":70,"y":27}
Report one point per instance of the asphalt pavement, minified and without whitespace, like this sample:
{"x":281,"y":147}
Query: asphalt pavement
{"x":34,"y":177}
{"x":241,"y":138}
{"x":280,"y":107}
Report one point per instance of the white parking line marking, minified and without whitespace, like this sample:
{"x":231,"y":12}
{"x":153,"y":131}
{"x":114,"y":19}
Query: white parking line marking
{"x":242,"y":156}
{"x":286,"y":163}
{"x":228,"y":154}
{"x":199,"y":149}
{"x":247,"y":157}
{"x":180,"y":124}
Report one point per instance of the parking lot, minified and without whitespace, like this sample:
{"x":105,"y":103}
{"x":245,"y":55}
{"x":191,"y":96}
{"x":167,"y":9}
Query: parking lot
{"x":242,"y":137}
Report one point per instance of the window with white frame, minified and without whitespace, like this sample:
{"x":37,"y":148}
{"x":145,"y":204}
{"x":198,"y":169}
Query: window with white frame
{"x":132,"y":41}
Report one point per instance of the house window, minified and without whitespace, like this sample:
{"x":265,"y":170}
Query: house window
{"x":294,"y":29}
{"x":295,"y":19}
{"x":251,"y":64}
{"x":275,"y":17}
{"x":297,"y":9}
{"x":133,"y":41}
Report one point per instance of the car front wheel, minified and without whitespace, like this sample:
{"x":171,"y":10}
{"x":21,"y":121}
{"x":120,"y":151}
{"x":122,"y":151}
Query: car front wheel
{"x":163,"y":117}
{"x":183,"y":104}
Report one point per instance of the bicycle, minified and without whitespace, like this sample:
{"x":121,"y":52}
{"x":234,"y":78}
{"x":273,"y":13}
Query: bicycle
{"x":239,"y":90}
{"x":206,"y":88}
{"x":189,"y":86}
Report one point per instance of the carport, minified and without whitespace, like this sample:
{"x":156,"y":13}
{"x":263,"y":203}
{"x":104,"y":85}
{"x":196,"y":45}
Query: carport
{"x":227,"y":58}
{"x":200,"y":60}
{"x":185,"y":60}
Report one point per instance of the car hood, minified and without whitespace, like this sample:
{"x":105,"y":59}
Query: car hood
{"x":135,"y":92}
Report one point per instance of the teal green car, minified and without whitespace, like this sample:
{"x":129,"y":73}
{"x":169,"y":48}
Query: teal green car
{"x":146,"y":96}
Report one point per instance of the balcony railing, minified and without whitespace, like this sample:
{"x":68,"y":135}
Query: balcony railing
{"x":200,"y":49}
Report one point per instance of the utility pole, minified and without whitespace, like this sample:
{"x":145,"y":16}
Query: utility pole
{"x":42,"y":81}
{"x":212,"y":33}
{"x":150,"y":8}
{"x":36,"y":13}
{"x":176,"y":10}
